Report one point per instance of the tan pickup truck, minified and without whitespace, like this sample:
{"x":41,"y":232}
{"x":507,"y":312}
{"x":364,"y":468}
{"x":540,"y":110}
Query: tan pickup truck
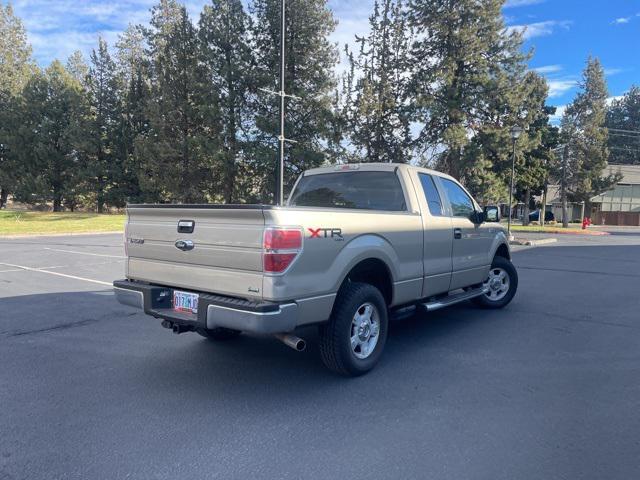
{"x":354,"y":243}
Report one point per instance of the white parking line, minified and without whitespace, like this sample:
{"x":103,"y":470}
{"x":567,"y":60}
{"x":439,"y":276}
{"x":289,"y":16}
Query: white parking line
{"x":30,"y":269}
{"x":83,"y":253}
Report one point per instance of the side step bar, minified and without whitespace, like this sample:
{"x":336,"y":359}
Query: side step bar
{"x":439,"y":303}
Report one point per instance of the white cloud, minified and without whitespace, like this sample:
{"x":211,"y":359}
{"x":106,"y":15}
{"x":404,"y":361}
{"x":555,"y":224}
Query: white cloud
{"x":624,"y":20}
{"x":613,"y":71}
{"x":521,"y":3}
{"x":56,"y":28}
{"x":546,"y":69}
{"x":540,"y":29}
{"x":559,"y":86}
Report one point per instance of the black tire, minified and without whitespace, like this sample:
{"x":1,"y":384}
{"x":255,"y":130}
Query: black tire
{"x":218,"y":334}
{"x":335,"y":335}
{"x":504,"y":264}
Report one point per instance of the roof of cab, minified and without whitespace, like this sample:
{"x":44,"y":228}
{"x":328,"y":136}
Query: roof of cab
{"x":376,"y":167}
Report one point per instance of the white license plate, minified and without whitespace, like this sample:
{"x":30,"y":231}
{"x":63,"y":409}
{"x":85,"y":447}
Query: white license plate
{"x":185,"y":302}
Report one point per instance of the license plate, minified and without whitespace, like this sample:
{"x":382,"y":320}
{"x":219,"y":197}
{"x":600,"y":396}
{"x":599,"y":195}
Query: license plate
{"x":185,"y":302}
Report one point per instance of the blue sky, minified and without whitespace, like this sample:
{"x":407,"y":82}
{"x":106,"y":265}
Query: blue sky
{"x":562,"y":32}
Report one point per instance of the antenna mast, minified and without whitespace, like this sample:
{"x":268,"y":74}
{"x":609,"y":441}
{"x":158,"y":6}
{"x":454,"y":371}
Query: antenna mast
{"x":279,"y":191}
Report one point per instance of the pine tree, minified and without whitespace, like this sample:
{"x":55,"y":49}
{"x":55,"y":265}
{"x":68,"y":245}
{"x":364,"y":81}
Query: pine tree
{"x":16,"y":68}
{"x":133,"y":76}
{"x":376,"y":110}
{"x":99,"y":137}
{"x":623,"y":122}
{"x":468,"y":67}
{"x":227,"y":52}
{"x":77,"y":67}
{"x":584,"y":131}
{"x":178,"y":154}
{"x":53,"y":105}
{"x":310,"y":63}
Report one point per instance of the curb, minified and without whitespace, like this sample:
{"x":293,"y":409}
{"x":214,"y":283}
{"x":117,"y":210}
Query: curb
{"x":593,"y":233}
{"x":76,"y":234}
{"x":533,"y":243}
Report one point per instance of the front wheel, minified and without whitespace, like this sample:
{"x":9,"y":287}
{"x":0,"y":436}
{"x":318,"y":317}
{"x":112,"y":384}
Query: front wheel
{"x":351,"y":343}
{"x":501,"y":284}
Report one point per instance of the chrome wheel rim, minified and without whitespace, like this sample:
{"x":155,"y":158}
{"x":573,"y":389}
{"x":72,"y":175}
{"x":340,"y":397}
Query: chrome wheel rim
{"x":497,"y":284}
{"x":365,"y":330}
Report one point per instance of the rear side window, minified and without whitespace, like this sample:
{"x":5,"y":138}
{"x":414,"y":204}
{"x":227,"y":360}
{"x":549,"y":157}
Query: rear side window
{"x":359,"y":190}
{"x":461,"y":203}
{"x":432,"y":195}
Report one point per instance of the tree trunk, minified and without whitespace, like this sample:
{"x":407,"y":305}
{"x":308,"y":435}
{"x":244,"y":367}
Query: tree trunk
{"x":57,"y":201}
{"x":100,"y":201}
{"x":3,"y":197}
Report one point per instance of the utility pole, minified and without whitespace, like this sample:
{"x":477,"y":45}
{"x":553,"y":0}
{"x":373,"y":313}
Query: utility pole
{"x":563,"y":187}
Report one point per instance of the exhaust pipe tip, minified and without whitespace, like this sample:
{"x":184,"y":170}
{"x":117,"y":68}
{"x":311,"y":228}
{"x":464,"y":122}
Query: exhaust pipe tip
{"x":301,"y":345}
{"x":291,"y":341}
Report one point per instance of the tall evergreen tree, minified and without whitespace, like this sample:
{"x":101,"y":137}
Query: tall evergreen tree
{"x":53,"y":105}
{"x":623,"y":122}
{"x":584,"y":131}
{"x":468,"y":67}
{"x":16,"y":68}
{"x":77,"y":67}
{"x":376,"y":110}
{"x":99,"y":138}
{"x":227,"y":52}
{"x":133,"y":75}
{"x":178,"y":152}
{"x":310,"y":63}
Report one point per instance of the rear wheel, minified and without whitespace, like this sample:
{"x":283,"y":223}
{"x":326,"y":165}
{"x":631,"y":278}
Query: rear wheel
{"x":218,"y":334}
{"x":501,"y":284}
{"x":352,"y":342}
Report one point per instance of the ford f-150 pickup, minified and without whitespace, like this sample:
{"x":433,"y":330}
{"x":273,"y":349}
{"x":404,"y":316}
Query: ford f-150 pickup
{"x":353,"y":243}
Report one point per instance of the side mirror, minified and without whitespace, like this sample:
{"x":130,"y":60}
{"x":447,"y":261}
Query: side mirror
{"x":491,"y":214}
{"x":477,"y":217}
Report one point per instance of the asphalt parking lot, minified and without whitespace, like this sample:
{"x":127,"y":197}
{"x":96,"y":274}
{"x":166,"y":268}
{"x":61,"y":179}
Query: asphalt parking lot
{"x":548,"y":388}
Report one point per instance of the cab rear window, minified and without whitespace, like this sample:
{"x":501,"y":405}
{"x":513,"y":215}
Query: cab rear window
{"x":358,"y":190}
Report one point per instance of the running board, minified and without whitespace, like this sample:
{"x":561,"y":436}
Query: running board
{"x":453,"y":299}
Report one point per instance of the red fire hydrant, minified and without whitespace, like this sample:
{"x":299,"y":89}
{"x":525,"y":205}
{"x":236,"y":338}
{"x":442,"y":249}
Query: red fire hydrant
{"x":586,"y":221}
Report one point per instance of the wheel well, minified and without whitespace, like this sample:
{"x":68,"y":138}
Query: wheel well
{"x":374,"y":272}
{"x":503,"y":251}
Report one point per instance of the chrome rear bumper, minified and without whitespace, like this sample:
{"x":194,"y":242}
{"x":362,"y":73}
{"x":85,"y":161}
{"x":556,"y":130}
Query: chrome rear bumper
{"x":213,"y":310}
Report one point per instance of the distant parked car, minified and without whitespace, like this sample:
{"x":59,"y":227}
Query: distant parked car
{"x":548,"y":216}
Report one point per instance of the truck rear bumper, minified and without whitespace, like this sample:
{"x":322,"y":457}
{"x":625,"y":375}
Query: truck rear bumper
{"x":213,"y":310}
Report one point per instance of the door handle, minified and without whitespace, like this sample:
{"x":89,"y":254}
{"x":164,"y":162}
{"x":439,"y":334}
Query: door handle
{"x":457,"y":233}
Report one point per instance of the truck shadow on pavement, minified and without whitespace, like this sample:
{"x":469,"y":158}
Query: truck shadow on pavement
{"x":112,"y":346}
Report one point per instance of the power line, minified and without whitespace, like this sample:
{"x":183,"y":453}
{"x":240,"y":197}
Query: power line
{"x":622,"y":130}
{"x":614,"y":134}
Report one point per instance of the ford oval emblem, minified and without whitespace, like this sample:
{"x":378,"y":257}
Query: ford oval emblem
{"x":184,"y":245}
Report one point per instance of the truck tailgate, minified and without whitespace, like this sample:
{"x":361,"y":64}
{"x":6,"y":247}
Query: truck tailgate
{"x":226,"y":257}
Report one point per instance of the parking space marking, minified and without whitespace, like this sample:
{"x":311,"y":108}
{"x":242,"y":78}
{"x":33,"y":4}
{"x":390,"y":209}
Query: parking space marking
{"x":31,"y":269}
{"x":84,"y":253}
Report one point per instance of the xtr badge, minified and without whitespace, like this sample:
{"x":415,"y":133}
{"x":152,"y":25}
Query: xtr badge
{"x":335,"y":233}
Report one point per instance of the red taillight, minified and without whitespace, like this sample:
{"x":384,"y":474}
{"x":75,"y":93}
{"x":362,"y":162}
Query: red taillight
{"x":281,"y":247}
